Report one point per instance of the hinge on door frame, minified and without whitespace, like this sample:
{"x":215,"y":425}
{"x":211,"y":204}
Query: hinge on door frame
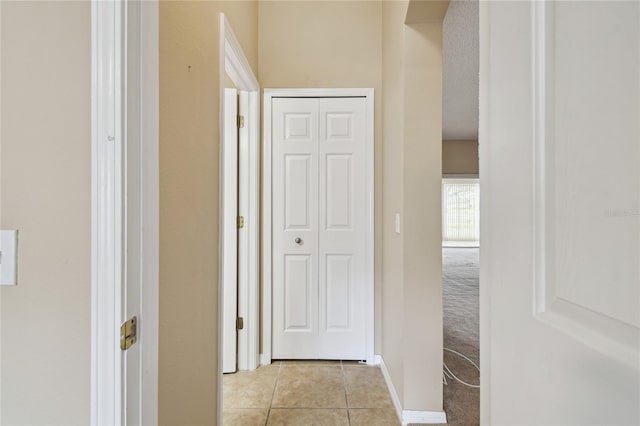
{"x":240,"y":121}
{"x":240,"y":222}
{"x":239,"y":323}
{"x":128,"y":333}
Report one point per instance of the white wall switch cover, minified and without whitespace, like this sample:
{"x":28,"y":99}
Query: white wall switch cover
{"x":9,"y":257}
{"x":397,"y":223}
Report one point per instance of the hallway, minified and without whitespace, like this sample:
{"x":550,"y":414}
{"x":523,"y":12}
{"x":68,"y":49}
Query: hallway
{"x":308,"y":392}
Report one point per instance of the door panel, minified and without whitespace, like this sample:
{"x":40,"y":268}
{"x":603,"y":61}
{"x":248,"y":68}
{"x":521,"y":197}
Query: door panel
{"x":560,"y":262}
{"x":593,"y":81}
{"x":230,"y":234}
{"x":342,"y":239}
{"x":319,"y":186}
{"x":295,"y":216}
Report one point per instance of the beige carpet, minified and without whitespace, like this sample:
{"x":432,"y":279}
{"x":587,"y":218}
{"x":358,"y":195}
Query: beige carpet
{"x":460,"y":283}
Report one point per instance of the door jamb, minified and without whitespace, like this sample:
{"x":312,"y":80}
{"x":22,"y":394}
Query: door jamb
{"x":108,"y":85}
{"x":269,"y":94}
{"x":237,"y":67}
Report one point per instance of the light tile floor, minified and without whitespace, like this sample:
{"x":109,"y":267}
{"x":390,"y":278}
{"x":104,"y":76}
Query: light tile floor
{"x":308,"y":393}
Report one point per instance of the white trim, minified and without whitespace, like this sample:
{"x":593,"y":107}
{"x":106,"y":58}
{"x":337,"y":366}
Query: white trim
{"x":248,"y":237}
{"x":266,"y":232}
{"x":409,"y":416}
{"x":106,"y":210}
{"x":108,"y":78}
{"x":269,"y":94}
{"x":234,"y":63}
{"x":265,"y":359}
{"x":424,"y":417}
{"x":392,"y":389}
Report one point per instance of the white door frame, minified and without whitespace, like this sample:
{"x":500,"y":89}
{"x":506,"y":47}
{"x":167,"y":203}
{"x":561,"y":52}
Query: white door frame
{"x":108,"y":87}
{"x":267,"y":235}
{"x":234,"y":63}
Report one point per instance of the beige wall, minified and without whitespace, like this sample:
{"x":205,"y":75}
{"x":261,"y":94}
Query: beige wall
{"x":329,"y":44}
{"x":460,"y":157}
{"x":422,"y":218}
{"x":412,"y":260}
{"x":189,"y":202}
{"x":393,"y":14}
{"x":45,"y":156}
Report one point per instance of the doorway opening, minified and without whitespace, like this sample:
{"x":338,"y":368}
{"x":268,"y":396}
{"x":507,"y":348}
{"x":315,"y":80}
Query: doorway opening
{"x":461,"y":214}
{"x":238,"y":297}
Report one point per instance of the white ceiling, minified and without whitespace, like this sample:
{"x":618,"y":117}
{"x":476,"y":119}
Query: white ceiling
{"x":460,"y":55}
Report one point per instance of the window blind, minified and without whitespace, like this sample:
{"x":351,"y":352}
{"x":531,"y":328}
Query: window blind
{"x":461,"y":210}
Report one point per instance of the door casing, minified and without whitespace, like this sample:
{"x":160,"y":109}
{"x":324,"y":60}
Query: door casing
{"x":267,"y":236}
{"x":110,"y":27}
{"x":234,"y":63}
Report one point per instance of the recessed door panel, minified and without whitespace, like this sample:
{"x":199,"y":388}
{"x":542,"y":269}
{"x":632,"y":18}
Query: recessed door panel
{"x":297,"y":184}
{"x":561,"y":259}
{"x":298,"y":127}
{"x":339,"y":193}
{"x":339,"y":286}
{"x":340,"y":126}
{"x":297,"y":292}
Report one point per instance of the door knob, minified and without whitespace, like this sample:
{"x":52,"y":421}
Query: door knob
{"x":298,"y":240}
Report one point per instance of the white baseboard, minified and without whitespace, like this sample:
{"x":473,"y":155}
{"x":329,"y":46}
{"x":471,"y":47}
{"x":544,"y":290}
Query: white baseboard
{"x":392,"y":389}
{"x":375,"y":360}
{"x":265,"y":359}
{"x":409,"y":416}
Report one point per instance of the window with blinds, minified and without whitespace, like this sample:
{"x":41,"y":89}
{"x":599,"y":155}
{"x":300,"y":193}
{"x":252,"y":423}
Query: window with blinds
{"x":460,"y":212}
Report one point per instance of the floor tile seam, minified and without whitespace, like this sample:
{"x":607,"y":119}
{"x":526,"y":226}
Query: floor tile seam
{"x":310,"y":408}
{"x":273,"y":394}
{"x":344,"y":387}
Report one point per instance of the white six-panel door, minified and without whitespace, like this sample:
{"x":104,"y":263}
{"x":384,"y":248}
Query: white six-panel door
{"x":319,"y":215}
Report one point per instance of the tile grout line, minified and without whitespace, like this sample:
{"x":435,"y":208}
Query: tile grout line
{"x":344,"y":385}
{"x":273,"y":393}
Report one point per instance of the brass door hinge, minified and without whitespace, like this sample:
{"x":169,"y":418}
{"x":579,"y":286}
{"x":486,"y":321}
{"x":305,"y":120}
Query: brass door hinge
{"x":240,"y":222}
{"x":240,"y":121}
{"x":239,"y":323}
{"x":128,"y":333}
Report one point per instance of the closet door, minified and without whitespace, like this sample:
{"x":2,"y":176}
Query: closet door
{"x":319,"y":228}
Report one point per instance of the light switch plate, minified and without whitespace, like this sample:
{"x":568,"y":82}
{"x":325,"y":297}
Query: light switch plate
{"x":397,"y":223}
{"x":8,"y":257}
